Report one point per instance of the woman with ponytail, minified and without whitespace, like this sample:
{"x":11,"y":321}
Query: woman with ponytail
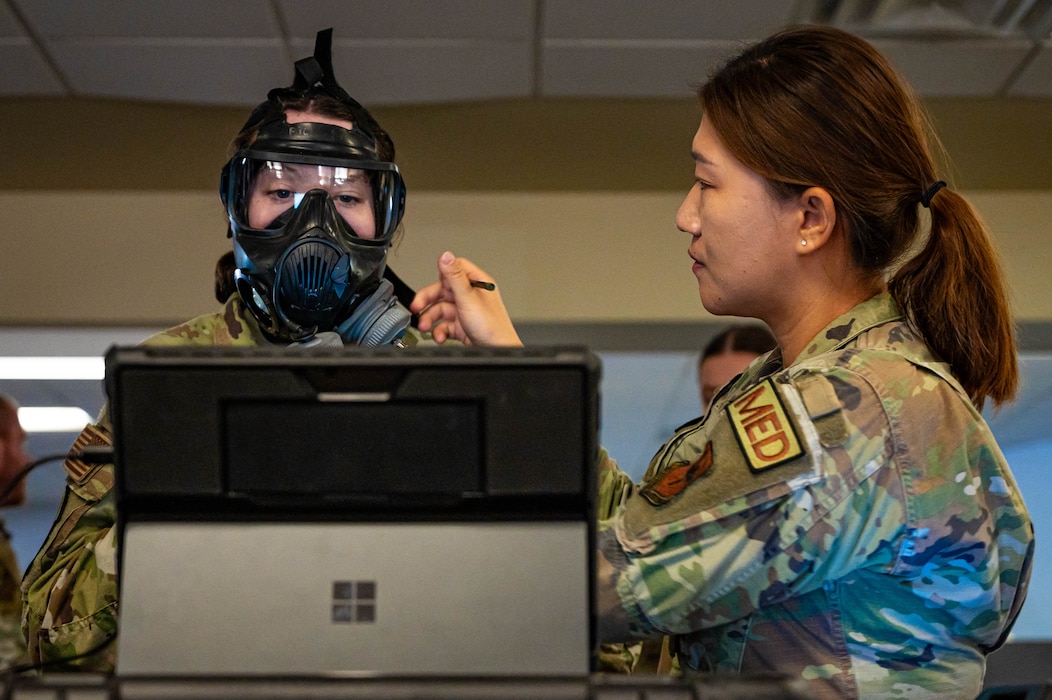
{"x":842,"y":514}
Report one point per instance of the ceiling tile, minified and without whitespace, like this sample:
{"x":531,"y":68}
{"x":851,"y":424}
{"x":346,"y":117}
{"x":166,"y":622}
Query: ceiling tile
{"x":618,"y":70}
{"x":1036,"y":79}
{"x":663,"y":19}
{"x":410,"y":19}
{"x":148,"y":18}
{"x":9,"y":24}
{"x":25,"y":74}
{"x":405,"y":51}
{"x":405,"y":72}
{"x":201,"y":72}
{"x":963,"y":68}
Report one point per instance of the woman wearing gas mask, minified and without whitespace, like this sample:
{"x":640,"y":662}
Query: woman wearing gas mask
{"x":842,"y":515}
{"x":313,"y":199}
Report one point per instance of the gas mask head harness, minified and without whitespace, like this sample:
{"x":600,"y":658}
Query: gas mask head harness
{"x":313,"y":207}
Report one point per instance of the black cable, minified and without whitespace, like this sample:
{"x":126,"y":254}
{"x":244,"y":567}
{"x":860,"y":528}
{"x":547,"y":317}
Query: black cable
{"x":18,"y":669}
{"x":89,"y":455}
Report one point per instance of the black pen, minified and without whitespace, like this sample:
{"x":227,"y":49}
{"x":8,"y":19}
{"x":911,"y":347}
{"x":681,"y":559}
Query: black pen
{"x":488,"y":286}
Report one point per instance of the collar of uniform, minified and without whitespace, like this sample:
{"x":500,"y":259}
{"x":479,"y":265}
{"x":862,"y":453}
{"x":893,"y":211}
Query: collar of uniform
{"x":235,"y":311}
{"x":873,"y":312}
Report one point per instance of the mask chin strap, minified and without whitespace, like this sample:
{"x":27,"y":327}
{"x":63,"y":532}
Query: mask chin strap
{"x":296,"y":332}
{"x":324,"y":339}
{"x":378,"y":320}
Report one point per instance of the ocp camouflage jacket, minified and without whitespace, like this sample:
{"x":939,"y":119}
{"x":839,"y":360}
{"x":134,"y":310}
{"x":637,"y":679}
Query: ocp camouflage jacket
{"x":848,"y":520}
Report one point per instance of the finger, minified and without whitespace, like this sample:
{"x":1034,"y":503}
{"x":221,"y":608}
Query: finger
{"x":454,"y":278}
{"x":444,"y":331}
{"x":426,"y":297}
{"x":430,"y":317}
{"x":458,"y":274}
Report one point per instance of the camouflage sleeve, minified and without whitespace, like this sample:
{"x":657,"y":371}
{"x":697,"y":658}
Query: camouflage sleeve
{"x":69,"y":591}
{"x":724,"y":545}
{"x":614,"y":486}
{"x":12,"y":643}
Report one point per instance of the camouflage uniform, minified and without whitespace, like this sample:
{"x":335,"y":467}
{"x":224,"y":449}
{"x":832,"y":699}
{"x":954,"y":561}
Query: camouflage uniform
{"x":848,"y":520}
{"x":69,"y":592}
{"x":12,"y":643}
{"x":614,"y":485}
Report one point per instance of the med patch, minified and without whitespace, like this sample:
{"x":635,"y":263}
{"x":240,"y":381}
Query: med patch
{"x":763,"y":428}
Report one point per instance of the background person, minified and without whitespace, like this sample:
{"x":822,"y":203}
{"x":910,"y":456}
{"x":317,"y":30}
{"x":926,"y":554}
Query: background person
{"x":312,"y":185}
{"x":842,"y":515}
{"x":728,"y":354}
{"x":13,"y":459}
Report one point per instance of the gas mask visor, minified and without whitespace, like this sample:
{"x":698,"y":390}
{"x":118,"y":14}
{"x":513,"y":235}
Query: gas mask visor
{"x":264,"y":181}
{"x":312,"y":213}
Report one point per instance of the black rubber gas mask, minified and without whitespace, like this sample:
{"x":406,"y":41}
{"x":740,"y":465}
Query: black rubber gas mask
{"x":312,"y":214}
{"x":312,"y":209}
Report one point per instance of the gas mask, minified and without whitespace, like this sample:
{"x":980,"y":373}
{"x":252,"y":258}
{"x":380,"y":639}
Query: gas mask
{"x":312,"y":211}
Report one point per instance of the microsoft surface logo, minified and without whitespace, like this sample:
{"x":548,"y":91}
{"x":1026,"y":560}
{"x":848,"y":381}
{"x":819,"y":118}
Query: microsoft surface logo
{"x":353,"y":602}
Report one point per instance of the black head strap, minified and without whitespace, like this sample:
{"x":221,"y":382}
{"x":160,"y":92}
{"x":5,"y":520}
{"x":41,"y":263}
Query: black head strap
{"x":314,"y":75}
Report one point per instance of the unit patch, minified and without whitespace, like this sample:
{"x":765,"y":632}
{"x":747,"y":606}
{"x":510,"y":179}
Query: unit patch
{"x":91,"y":436}
{"x":763,"y":428}
{"x":671,"y":482}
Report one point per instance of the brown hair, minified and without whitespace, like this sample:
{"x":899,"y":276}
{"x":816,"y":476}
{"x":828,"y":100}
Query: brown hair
{"x":751,"y":337}
{"x":224,"y":277}
{"x":817,"y":106}
{"x":316,"y":103}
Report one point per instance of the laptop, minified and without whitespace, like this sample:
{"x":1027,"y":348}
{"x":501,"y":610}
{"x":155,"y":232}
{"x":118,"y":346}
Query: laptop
{"x":372,"y":512}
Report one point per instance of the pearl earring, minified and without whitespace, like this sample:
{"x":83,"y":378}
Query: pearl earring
{"x":803,"y":241}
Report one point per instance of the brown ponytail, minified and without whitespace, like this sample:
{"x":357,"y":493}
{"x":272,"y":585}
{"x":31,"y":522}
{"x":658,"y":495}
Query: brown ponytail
{"x":954,"y":294}
{"x":817,"y":106}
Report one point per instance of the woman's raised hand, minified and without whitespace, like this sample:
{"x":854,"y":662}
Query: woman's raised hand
{"x":465,"y":304}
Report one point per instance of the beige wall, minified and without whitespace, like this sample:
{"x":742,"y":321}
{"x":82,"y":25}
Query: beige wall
{"x":109,"y":212}
{"x":148,"y":257}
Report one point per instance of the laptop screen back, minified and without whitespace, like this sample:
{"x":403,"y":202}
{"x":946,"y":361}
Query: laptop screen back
{"x":361,"y":512}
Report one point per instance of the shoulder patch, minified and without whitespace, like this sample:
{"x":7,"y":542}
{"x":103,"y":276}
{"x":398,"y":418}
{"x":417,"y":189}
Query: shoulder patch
{"x":91,"y":436}
{"x":763,"y":428}
{"x":676,"y":478}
